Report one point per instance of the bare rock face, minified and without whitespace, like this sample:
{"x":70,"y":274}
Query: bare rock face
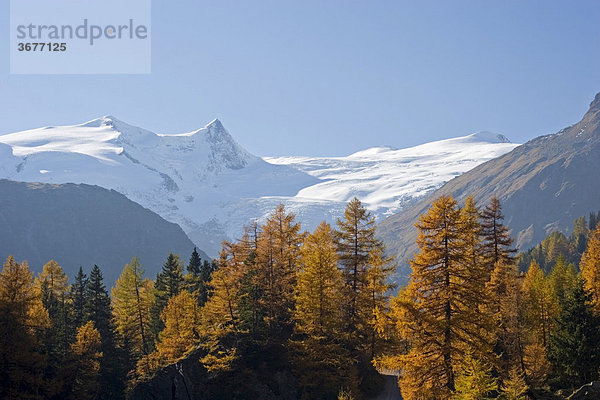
{"x":543,"y":185}
{"x":590,"y":391}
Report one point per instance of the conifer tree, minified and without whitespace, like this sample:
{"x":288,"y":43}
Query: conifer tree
{"x":195,"y":263}
{"x":84,"y":363}
{"x":78,"y":298}
{"x":504,"y":294}
{"x":580,"y":234}
{"x":496,"y":237}
{"x":575,"y":342}
{"x":133,"y":296}
{"x":562,"y":279}
{"x":277,"y":258}
{"x":193,"y":279}
{"x":539,"y":305}
{"x":221,"y":322}
{"x":181,"y":318}
{"x":22,"y":319}
{"x":515,"y":387}
{"x":169,"y":282}
{"x":113,"y":364}
{"x":321,"y":360}
{"x":356,"y":239}
{"x":440,"y":313}
{"x":474,"y":380}
{"x":590,"y":268}
{"x":52,"y":284}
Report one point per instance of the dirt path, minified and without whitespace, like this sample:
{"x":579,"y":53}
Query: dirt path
{"x":391,"y":391}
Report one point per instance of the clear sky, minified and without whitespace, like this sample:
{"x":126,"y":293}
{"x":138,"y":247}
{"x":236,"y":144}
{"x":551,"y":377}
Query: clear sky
{"x":331,"y":77}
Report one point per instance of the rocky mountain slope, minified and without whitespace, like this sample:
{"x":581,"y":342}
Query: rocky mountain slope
{"x":82,"y":225}
{"x":543,"y":185}
{"x":209,"y":185}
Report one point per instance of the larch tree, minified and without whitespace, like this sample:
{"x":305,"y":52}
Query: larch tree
{"x":441,"y":313}
{"x":133,"y":296}
{"x":590,"y":267}
{"x":182,"y":319}
{"x":539,"y":308}
{"x":22,"y":319}
{"x":475,"y":380}
{"x":52,"y":284}
{"x":221,"y":324}
{"x":277,"y":264}
{"x":539,"y":305}
{"x":504,"y":295}
{"x":321,"y":359}
{"x":355,"y":238}
{"x":84,"y":362}
{"x":563,"y":279}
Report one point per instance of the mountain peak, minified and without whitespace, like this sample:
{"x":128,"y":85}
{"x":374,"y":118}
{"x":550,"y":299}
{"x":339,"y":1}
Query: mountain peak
{"x":490,"y":137}
{"x":215,"y":124}
{"x":595,"y":104}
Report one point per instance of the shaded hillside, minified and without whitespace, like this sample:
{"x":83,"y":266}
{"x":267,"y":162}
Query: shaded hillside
{"x":543,"y":185}
{"x":83,"y":225}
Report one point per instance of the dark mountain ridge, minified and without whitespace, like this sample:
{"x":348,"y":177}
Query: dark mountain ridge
{"x":82,"y":225}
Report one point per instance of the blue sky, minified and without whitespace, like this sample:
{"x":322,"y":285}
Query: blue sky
{"x":333,"y":77}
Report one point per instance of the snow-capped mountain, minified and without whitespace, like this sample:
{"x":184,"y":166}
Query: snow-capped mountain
{"x":208,"y":184}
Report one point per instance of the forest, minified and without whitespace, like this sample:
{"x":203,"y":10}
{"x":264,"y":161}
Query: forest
{"x":315,"y":312}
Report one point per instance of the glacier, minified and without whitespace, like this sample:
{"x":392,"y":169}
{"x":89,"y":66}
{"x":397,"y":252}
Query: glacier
{"x":212,"y":187}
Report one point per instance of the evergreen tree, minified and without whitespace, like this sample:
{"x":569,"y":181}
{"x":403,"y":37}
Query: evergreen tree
{"x":133,"y":296}
{"x":575,"y":342}
{"x":590,"y":268}
{"x":195,"y":263}
{"x":52,"y":284}
{"x":496,"y":237}
{"x":78,"y":298}
{"x":113,"y":364}
{"x":22,"y":319}
{"x":169,"y":282}
{"x":580,"y":234}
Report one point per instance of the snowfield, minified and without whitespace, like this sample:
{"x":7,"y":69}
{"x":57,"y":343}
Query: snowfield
{"x":208,"y":184}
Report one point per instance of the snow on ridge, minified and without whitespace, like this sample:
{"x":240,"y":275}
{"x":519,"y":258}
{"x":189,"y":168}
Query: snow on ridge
{"x":211,"y":186}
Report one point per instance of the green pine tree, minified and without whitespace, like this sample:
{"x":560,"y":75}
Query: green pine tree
{"x":78,"y":299}
{"x":169,"y":282}
{"x":113,"y":364}
{"x":574,"y":348}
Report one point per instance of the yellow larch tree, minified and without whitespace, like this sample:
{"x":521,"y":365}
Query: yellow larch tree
{"x":85,"y":358}
{"x":590,"y":267}
{"x":132,"y":298}
{"x":441,"y":316}
{"x":322,"y":363}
